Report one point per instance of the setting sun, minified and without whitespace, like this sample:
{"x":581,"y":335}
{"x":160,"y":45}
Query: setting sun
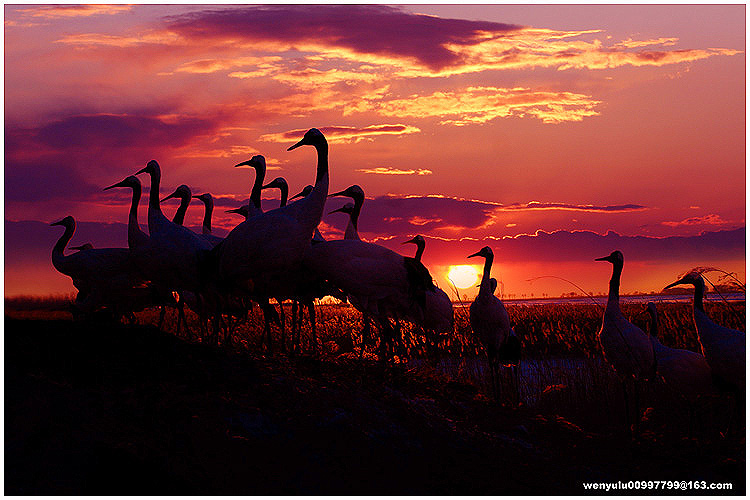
{"x":463,"y":276}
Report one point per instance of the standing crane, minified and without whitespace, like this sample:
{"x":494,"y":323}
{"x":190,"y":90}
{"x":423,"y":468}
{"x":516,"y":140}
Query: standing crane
{"x":626,"y":347}
{"x":438,"y":309}
{"x":177,"y":252}
{"x":489,"y":320}
{"x":357,"y":194}
{"x":208,"y":202}
{"x":184,"y":194}
{"x":263,"y":255}
{"x":101,"y":275}
{"x":139,"y":244}
{"x":724,"y":348}
{"x":685,"y":372}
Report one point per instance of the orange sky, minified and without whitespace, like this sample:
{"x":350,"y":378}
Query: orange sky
{"x":535,"y":129}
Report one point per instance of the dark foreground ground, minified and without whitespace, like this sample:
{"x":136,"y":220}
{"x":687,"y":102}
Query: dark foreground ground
{"x":113,"y":410}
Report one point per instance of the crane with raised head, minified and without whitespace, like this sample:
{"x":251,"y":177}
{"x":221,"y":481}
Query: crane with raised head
{"x":208,"y":202}
{"x":184,"y":194}
{"x":626,"y":347}
{"x":724,"y":348}
{"x":489,"y":320}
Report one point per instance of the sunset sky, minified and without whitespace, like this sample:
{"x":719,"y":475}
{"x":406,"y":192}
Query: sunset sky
{"x":553,"y":133}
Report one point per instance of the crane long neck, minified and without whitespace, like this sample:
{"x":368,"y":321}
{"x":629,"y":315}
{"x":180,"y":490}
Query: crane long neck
{"x":355,"y":213}
{"x":613,"y":299}
{"x":700,"y":289}
{"x":654,"y":322}
{"x":420,"y":251}
{"x":207,"y":216}
{"x":179,"y":216}
{"x":485,"y":286}
{"x":59,"y":248}
{"x":153,"y":195}
{"x":321,"y":173}
{"x":310,"y":209}
{"x":260,"y":174}
{"x":134,"y":230}
{"x":284,"y":195}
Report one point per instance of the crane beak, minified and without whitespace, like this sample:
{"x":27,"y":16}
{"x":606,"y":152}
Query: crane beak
{"x":119,"y":184}
{"x":58,"y":223}
{"x":143,"y":170}
{"x":340,"y":193}
{"x":478,"y":254}
{"x":173,"y":195}
{"x":233,"y":211}
{"x":604,"y":258}
{"x":678,"y":282}
{"x":337,"y":210}
{"x":295,"y":196}
{"x":413,"y":240}
{"x":302,"y":142}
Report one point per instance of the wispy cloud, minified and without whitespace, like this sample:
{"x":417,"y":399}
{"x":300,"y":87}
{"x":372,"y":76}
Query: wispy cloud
{"x":706,"y":220}
{"x":120,"y":41}
{"x":631,"y":44}
{"x":260,"y":65}
{"x":394,"y":171}
{"x":67,"y":11}
{"x":538,"y":205}
{"x":343,"y":133}
{"x":482,"y":104}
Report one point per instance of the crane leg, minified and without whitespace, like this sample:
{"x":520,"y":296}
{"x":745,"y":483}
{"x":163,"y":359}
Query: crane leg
{"x":637,"y":423}
{"x":295,"y":326}
{"x":313,"y":329}
{"x":365,"y":329}
{"x":181,"y":317}
{"x":162,"y":313}
{"x":627,"y":404}
{"x":282,"y":324}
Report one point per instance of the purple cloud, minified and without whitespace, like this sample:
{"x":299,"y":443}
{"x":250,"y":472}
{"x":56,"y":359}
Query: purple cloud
{"x":392,"y":214}
{"x":121,"y":131}
{"x":538,"y":205}
{"x":50,"y":177}
{"x":579,"y":246}
{"x":366,"y":29}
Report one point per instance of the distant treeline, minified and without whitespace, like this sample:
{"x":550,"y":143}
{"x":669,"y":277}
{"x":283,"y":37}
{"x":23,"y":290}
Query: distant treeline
{"x":39,"y":302}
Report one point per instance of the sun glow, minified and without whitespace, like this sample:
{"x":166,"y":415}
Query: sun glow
{"x":464,"y":276}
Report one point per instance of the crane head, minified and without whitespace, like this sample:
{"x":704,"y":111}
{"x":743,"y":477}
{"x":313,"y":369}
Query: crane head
{"x":278,"y":182}
{"x":485,"y":252}
{"x":355,"y":192}
{"x":241,"y":210}
{"x":305,"y":191}
{"x":85,"y":246}
{"x":347,"y":209}
{"x":65,"y":221}
{"x":150,"y":168}
{"x":257,"y":161}
{"x":129,"y":181}
{"x":417,"y":240}
{"x":615,"y":257}
{"x":312,"y":137}
{"x":692,"y":278}
{"x":182,"y":192}
{"x":205,"y":197}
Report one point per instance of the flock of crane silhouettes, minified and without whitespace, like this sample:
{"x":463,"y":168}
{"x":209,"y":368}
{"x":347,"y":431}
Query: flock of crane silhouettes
{"x":279,"y":254}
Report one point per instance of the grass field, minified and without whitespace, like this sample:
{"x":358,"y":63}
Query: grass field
{"x":564,"y":382}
